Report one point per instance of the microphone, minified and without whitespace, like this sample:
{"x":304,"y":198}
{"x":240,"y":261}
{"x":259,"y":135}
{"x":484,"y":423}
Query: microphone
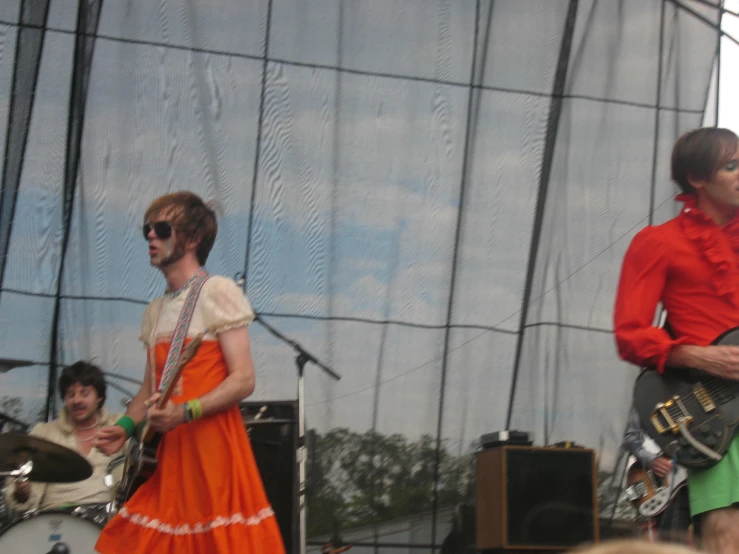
{"x":125,"y":401}
{"x":59,"y":548}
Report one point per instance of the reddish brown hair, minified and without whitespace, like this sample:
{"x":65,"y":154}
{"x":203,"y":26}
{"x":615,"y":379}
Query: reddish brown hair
{"x":699,"y":154}
{"x":193,"y":219}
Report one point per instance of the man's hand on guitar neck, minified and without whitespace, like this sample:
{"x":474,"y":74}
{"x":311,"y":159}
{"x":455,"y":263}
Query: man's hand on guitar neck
{"x":166,"y":419}
{"x":721,"y":361}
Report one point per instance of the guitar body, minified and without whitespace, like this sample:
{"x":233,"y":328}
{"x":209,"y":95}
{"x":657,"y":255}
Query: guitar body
{"x":690,"y":414}
{"x":141,"y":455}
{"x":650,"y":494}
{"x":141,"y":462}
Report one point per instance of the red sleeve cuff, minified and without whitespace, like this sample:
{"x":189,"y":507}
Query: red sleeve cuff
{"x":665,"y":350}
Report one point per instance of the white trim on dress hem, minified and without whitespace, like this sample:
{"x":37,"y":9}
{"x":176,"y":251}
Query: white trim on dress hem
{"x":200,"y":527}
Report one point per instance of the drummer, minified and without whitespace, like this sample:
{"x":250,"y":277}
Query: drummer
{"x":82,"y":387}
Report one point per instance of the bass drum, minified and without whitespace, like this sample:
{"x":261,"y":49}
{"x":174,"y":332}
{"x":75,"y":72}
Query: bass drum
{"x":42,"y":531}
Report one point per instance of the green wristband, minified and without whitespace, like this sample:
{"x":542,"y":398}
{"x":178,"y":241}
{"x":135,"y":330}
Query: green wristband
{"x":128,"y":424}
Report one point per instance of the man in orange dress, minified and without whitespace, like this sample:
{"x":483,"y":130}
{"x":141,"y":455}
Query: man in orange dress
{"x":690,"y":265}
{"x":206,"y":494}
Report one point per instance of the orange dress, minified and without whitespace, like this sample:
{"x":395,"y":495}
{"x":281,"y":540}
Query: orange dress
{"x":206,"y":495}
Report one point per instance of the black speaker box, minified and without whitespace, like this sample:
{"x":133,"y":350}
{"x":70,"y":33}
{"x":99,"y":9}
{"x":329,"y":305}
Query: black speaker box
{"x":273,"y":432}
{"x":536,"y":498}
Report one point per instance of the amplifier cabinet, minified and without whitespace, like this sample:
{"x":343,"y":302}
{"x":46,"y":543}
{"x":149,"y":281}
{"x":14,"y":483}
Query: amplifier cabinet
{"x":535,"y":498}
{"x":273,"y":433}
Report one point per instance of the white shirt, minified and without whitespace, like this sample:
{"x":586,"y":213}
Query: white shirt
{"x":90,"y":491}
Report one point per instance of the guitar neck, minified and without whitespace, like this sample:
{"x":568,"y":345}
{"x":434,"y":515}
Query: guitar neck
{"x":166,"y":393}
{"x":721,"y":390}
{"x":188,"y":353}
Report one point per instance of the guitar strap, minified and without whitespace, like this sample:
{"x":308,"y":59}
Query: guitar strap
{"x":668,"y":329}
{"x":183,"y":324}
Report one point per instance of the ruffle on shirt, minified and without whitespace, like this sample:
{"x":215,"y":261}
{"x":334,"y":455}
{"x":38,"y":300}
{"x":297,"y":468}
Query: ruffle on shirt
{"x":719,"y":246}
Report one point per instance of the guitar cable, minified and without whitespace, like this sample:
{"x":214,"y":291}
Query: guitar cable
{"x":700,"y":447}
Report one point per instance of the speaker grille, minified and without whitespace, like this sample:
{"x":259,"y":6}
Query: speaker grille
{"x":550,"y":497}
{"x":273,"y":440}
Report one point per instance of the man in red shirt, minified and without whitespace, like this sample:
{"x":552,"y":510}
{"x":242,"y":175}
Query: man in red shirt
{"x":690,"y":265}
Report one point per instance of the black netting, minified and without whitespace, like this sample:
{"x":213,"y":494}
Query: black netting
{"x":432,"y":196}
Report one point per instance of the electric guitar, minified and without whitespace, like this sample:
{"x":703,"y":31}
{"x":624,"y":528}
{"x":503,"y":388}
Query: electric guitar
{"x":141,"y":456}
{"x":651,"y":494}
{"x":690,"y":414}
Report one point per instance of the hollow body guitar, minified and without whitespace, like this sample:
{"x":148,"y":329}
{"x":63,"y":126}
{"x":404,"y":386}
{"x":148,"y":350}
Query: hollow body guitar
{"x":690,"y":414}
{"x":651,"y":494}
{"x":141,"y":455}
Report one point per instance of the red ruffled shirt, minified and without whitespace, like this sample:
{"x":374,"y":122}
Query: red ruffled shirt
{"x":691,"y":265}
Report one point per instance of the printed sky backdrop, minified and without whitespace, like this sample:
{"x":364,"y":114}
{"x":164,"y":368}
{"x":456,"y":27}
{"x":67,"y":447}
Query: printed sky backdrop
{"x":397,"y":179}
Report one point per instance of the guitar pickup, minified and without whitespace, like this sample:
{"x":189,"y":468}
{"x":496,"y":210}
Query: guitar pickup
{"x":637,"y":491}
{"x":704,"y":398}
{"x":664,"y":421}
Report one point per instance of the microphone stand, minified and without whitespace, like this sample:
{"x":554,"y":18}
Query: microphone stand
{"x":301,"y":359}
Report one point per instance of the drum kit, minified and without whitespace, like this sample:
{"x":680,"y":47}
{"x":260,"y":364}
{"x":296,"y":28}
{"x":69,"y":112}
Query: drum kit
{"x":69,"y":529}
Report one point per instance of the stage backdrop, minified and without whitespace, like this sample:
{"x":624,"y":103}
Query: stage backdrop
{"x":431,"y":196}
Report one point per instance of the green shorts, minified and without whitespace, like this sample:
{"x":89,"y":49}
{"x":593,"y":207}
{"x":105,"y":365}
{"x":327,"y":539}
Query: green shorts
{"x":718,"y":486}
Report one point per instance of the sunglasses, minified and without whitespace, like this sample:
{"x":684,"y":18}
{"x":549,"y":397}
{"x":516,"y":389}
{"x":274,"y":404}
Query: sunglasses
{"x":162,"y":229}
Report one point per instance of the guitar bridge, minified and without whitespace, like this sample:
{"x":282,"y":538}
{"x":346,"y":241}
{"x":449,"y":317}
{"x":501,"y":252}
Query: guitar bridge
{"x":666,"y":422}
{"x":704,"y":398}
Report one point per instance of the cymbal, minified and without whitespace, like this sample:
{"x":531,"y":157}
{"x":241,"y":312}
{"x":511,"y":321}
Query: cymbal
{"x":52,"y":463}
